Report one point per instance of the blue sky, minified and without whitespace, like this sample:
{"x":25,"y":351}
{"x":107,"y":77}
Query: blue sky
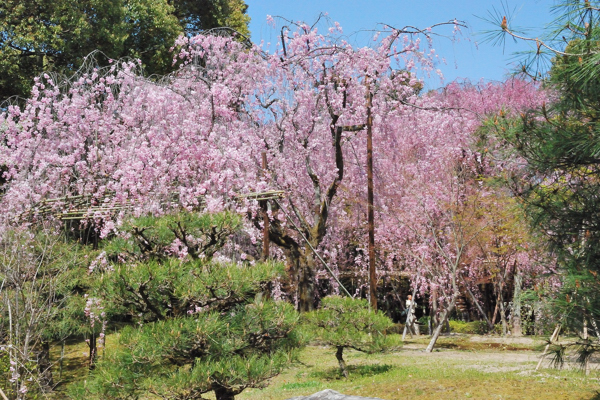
{"x":467,"y":58}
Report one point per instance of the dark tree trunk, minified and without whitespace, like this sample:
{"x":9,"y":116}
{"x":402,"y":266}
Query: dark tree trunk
{"x":339,"y":354}
{"x":306,"y":283}
{"x":44,"y":368}
{"x":224,"y":393}
{"x":301,"y":278}
{"x":93,"y":351}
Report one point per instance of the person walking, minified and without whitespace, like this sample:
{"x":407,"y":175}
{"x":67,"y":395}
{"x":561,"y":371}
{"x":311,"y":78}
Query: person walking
{"x":411,"y":323}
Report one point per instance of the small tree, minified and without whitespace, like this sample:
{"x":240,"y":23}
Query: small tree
{"x":33,"y":264}
{"x":200,"y":325}
{"x":344,"y":322}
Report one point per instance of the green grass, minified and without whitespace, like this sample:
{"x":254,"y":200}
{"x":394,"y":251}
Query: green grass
{"x":459,"y":368}
{"x":472,"y":373}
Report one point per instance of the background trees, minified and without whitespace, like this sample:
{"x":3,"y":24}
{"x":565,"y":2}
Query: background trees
{"x":558,"y":143}
{"x":201,"y":15}
{"x":315,"y":138}
{"x":44,"y":36}
{"x":34,"y":292}
{"x":112,"y":141}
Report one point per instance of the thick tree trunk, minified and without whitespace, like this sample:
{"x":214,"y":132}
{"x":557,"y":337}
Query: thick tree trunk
{"x":438,"y":329}
{"x":339,"y":354}
{"x":223,"y":393}
{"x":44,"y":368}
{"x":516,"y":315}
{"x":306,"y":282}
{"x":301,"y":278}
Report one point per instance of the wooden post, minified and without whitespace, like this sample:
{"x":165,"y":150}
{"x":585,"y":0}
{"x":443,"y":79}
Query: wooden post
{"x":266,"y":221}
{"x":371,"y":213}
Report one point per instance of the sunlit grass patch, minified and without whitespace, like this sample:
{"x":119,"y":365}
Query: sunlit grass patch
{"x":301,"y":385}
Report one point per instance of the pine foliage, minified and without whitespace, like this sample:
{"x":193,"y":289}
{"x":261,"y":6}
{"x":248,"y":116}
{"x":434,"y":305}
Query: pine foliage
{"x":345,"y":322}
{"x":194,"y":324}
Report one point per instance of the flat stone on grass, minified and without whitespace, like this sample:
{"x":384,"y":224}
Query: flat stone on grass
{"x":329,"y":394}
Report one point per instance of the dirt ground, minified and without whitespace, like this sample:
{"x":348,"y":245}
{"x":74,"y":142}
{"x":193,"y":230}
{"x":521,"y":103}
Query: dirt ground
{"x":482,"y":360}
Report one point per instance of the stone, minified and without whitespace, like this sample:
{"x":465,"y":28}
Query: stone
{"x":329,"y":394}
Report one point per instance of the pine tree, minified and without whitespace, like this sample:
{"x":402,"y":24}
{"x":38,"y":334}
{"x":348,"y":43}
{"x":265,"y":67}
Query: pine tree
{"x":344,"y":322}
{"x":195,"y":324}
{"x":560,"y":143}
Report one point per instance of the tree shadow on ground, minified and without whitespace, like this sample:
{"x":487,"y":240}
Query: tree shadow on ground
{"x":356,"y":371}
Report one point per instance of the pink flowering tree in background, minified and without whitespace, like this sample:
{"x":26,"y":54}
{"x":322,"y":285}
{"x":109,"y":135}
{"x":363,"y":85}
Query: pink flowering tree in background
{"x":118,"y":139}
{"x":431,"y":183}
{"x":309,"y":115}
{"x":195,"y":139}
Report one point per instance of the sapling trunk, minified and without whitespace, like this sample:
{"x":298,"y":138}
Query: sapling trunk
{"x":516,"y":319}
{"x":44,"y":365}
{"x":62,"y":357}
{"x":438,"y":329}
{"x":503,"y":316}
{"x":339,"y":354}
{"x":93,"y":351}
{"x":434,"y":310}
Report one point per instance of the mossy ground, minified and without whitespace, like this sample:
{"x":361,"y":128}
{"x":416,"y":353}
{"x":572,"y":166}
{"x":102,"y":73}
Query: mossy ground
{"x":461,"y":367}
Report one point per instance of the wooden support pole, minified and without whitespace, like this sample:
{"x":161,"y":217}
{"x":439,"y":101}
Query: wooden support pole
{"x":552,"y":339}
{"x":371,"y":213}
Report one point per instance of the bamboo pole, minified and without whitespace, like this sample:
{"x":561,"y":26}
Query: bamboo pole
{"x":552,"y":339}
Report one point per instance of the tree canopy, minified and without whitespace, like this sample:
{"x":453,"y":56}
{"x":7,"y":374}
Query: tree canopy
{"x":42,"y":36}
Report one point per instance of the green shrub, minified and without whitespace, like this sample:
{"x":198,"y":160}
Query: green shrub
{"x":473,"y":327}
